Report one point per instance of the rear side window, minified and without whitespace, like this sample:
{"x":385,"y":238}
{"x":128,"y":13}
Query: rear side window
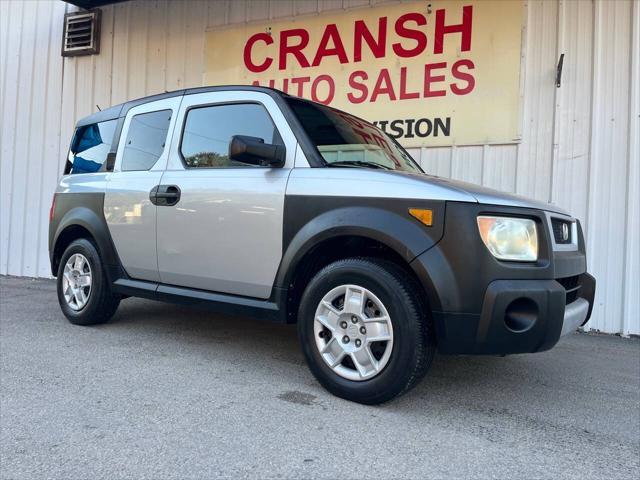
{"x":208,"y":131}
{"x":146,"y":139}
{"x":90,"y":146}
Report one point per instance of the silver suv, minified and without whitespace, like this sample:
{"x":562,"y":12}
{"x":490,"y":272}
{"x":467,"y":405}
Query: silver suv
{"x":257,"y":203}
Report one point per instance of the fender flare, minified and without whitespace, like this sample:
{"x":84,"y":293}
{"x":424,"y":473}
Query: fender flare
{"x":86,"y":218}
{"x":402,"y":234}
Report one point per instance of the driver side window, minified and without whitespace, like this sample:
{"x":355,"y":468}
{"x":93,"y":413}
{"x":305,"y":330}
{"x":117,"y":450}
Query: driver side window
{"x":208,"y":131}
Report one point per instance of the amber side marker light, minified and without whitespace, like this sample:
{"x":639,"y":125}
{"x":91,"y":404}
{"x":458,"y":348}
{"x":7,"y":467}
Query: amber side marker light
{"x":423,"y":215}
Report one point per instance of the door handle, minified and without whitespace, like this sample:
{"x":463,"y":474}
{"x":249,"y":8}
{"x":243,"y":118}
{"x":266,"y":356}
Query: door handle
{"x":165,"y":195}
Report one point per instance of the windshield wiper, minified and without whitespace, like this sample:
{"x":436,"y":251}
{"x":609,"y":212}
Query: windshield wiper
{"x":358,"y":163}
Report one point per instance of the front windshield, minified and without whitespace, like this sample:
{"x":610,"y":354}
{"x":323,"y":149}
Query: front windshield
{"x":347,"y":141}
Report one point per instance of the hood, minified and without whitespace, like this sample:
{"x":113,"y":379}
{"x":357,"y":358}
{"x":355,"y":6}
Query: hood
{"x":490,"y":196}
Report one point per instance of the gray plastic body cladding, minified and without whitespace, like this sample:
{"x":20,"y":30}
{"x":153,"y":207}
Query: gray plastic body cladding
{"x":458,"y":271}
{"x":493,"y":336}
{"x":309,"y":220}
{"x":84,"y":210}
{"x":272,"y":309}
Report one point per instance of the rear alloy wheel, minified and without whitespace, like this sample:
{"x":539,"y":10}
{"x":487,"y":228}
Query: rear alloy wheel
{"x":76,"y":281}
{"x":365,"y":330}
{"x":84,"y":292}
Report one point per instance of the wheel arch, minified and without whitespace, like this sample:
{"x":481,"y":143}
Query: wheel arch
{"x":349,"y":232}
{"x":83,"y":222}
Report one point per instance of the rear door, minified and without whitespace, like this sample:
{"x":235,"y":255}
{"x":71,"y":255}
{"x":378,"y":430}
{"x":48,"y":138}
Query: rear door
{"x":140,"y":160}
{"x":225,"y":232}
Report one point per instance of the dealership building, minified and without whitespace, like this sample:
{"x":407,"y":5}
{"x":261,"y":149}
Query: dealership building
{"x":539,"y":98}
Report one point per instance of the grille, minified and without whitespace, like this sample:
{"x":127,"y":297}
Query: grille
{"x":571,"y":287}
{"x":562,"y":231}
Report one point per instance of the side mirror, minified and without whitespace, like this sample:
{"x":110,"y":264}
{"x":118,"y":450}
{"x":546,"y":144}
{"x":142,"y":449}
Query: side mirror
{"x":110,"y":161}
{"x":254,"y":151}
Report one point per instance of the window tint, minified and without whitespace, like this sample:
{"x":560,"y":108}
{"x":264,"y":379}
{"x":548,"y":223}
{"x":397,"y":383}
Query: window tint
{"x":90,"y":147}
{"x":145,"y":140}
{"x":208,"y":131}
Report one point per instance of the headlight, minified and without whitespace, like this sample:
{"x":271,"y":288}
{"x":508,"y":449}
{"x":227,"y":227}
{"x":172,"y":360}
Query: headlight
{"x":509,"y":238}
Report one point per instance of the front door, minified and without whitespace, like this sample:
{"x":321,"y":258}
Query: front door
{"x":140,"y":160}
{"x":225,"y":232}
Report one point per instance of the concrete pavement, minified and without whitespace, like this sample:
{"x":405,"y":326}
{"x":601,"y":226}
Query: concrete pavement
{"x":166,"y":391}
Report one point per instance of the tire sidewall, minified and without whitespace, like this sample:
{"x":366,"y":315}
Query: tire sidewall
{"x":406,"y":334}
{"x":86,"y":248}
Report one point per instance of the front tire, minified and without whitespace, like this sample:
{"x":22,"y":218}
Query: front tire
{"x":84,"y":294}
{"x":365,"y":331}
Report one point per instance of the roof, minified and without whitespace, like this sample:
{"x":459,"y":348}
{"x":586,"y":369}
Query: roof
{"x":121,"y":109}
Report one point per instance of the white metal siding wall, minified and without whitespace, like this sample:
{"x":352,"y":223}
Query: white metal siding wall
{"x":579,"y":149}
{"x":31,"y":81}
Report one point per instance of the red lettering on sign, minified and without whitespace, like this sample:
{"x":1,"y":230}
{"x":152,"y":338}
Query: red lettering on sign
{"x":359,"y":86}
{"x":430,"y":79}
{"x":314,"y":89}
{"x":272,"y":83}
{"x":464,"y":28}
{"x":376,"y":46}
{"x":383,"y":86}
{"x":471,"y":81}
{"x":256,"y":68}
{"x":413,"y":34}
{"x":404,"y":95}
{"x":330,"y":34}
{"x":295,"y":50}
{"x":300,"y":81}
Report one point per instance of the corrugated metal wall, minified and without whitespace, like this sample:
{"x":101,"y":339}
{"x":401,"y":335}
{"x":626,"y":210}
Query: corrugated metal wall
{"x":580,"y":146}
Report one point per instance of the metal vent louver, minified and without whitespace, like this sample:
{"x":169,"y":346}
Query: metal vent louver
{"x":81,"y":33}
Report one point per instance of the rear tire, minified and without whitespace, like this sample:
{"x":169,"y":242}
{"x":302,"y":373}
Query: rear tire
{"x":385,"y":290}
{"x":84,"y":293}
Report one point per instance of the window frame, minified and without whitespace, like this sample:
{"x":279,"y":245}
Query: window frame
{"x":217,"y":104}
{"x":167,"y":139}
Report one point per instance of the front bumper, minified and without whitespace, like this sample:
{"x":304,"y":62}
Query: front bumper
{"x":517,"y":316}
{"x":484,"y":306}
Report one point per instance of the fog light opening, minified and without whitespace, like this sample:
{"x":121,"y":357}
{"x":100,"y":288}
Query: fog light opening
{"x":521,"y":314}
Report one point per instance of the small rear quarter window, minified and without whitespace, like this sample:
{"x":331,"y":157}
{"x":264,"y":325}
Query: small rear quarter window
{"x":90,"y":146}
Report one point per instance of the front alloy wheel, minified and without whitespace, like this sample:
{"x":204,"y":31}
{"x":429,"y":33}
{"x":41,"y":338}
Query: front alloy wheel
{"x":365,"y":329}
{"x":353,"y":332}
